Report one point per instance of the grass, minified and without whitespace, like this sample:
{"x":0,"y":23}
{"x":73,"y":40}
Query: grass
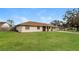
{"x":39,"y":41}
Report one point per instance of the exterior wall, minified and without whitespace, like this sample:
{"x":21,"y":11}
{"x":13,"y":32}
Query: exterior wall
{"x":19,"y":28}
{"x":51,"y":29}
{"x":34,"y":29}
{"x":56,"y":29}
{"x":31,"y":29}
{"x":4,"y":27}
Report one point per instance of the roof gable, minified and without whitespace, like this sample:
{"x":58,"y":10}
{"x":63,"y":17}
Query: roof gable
{"x":30,"y":23}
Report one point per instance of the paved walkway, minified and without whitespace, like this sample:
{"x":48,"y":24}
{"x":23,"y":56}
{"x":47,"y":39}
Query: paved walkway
{"x":69,"y":32}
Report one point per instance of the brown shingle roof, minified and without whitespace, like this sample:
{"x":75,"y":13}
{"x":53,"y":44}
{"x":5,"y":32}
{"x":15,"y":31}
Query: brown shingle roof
{"x":30,"y":23}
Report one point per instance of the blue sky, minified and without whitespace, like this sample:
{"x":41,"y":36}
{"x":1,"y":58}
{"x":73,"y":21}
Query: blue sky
{"x":20,"y":15}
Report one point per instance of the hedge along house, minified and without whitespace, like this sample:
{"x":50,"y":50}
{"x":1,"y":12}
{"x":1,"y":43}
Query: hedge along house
{"x":33,"y":27}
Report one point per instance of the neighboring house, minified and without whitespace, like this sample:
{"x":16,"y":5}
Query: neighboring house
{"x":34,"y":27}
{"x":4,"y":26}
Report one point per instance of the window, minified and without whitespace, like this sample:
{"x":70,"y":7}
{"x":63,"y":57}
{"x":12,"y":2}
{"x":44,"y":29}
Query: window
{"x":38,"y":27}
{"x":26,"y":27}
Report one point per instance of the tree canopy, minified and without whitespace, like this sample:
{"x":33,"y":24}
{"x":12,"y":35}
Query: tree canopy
{"x":10,"y":22}
{"x":72,"y":18}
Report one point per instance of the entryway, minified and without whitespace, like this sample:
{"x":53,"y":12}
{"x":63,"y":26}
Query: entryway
{"x":44,"y":28}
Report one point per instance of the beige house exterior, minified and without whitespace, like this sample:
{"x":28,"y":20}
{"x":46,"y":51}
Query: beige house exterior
{"x":4,"y":26}
{"x":34,"y":27}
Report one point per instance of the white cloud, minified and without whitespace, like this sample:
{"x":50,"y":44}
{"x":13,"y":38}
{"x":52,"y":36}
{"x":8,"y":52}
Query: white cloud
{"x":2,"y":20}
{"x":46,"y":19}
{"x":22,"y":19}
{"x":19,"y":19}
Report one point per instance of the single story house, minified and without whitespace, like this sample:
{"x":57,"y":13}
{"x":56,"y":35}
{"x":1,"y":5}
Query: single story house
{"x":4,"y":26}
{"x":31,"y":26}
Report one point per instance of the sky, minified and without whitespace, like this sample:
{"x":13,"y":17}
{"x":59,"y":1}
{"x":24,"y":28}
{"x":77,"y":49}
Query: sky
{"x":20,"y":15}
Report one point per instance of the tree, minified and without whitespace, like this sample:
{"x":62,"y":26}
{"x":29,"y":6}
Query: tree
{"x":56,"y":22}
{"x":72,"y":18}
{"x":59,"y":24}
{"x":11,"y":23}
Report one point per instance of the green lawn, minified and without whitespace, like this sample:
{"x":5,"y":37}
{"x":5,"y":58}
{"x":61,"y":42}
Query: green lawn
{"x":39,"y":41}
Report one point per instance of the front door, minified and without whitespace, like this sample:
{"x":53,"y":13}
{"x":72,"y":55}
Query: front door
{"x":47,"y":28}
{"x":44,"y":28}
